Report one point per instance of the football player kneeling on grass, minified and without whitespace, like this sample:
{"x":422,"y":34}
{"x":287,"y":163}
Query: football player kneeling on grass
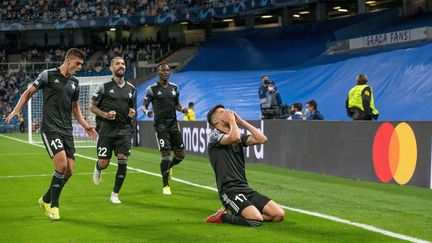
{"x":225,"y":148}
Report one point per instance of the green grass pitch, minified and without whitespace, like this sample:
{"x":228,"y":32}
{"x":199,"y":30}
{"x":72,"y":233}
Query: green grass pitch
{"x":148,"y":216}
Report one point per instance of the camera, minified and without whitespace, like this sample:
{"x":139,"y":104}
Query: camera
{"x":286,"y":111}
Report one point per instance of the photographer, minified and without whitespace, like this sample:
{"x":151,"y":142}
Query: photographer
{"x":271,"y":108}
{"x":262,"y":93}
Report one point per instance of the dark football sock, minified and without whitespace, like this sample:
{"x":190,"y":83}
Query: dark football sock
{"x":98,"y":166}
{"x":47,"y":196}
{"x":175,"y":161}
{"x":240,"y":220}
{"x":165,"y":166}
{"x":57,"y":184}
{"x":121,"y":175}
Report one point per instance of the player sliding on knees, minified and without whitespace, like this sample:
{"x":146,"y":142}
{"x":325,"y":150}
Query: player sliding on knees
{"x":113,"y":104}
{"x":60,"y":99}
{"x":225,"y":147}
{"x":164,"y":97}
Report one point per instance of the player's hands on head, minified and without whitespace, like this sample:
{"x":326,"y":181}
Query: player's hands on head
{"x":238,"y":119}
{"x":132,"y":112}
{"x":91,"y":132}
{"x":111,"y":115}
{"x":230,"y":115}
{"x":10,"y":116}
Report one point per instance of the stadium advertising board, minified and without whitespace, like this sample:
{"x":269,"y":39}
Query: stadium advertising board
{"x":385,"y":152}
{"x":195,"y":137}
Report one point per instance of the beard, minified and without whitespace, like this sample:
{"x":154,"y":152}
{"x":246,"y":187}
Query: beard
{"x":119,"y":73}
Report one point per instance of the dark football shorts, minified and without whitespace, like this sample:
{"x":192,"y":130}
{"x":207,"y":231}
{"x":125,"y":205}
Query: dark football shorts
{"x":57,"y":142}
{"x":170,"y":140}
{"x":120,"y":145}
{"x":236,"y":202}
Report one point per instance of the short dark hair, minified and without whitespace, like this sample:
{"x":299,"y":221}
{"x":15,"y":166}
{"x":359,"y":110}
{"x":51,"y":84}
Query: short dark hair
{"x":362,"y":78}
{"x":114,"y":60}
{"x":191,"y":104}
{"x":161,"y":64}
{"x":299,"y":106}
{"x":74,"y":52}
{"x":211,"y":111}
{"x":313,"y":103}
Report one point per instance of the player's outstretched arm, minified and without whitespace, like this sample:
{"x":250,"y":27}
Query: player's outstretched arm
{"x":256,"y":137}
{"x":21,"y":102}
{"x":76,"y":110}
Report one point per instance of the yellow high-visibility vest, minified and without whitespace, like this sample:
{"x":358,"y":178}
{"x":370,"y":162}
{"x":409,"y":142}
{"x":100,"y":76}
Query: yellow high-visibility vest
{"x":190,"y":116}
{"x":355,"y":98}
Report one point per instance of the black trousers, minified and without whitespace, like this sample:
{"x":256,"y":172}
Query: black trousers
{"x":358,"y":114}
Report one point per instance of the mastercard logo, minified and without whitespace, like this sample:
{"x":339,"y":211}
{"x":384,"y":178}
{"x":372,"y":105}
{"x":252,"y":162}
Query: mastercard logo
{"x":395,"y":153}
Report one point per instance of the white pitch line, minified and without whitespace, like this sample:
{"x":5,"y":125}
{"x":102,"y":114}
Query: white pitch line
{"x":319,"y":215}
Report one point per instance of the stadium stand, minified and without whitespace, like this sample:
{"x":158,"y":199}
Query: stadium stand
{"x":235,"y":61}
{"x":257,"y":49}
{"x":12,"y":84}
{"x":63,"y":10}
{"x":84,"y":10}
{"x":99,"y":55}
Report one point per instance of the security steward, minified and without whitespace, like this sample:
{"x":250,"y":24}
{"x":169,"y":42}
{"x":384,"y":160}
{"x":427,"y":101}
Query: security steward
{"x":360,"y":101}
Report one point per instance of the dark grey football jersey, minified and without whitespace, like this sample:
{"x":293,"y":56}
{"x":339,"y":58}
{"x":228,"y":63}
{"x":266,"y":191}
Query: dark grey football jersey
{"x":111,"y":97}
{"x":164,"y":101}
{"x":58,"y":94}
{"x":228,"y":163}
